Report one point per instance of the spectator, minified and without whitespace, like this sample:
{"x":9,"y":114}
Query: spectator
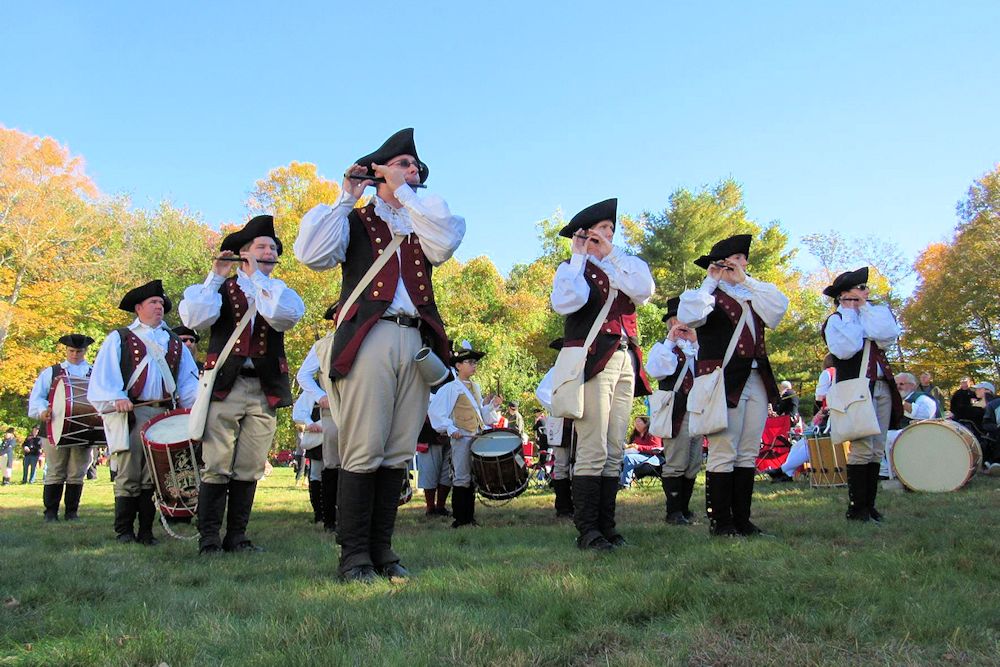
{"x":927,"y":386}
{"x":642,"y":454}
{"x":917,"y":405}
{"x":788,"y":403}
{"x":31,"y":449}
{"x":984,"y":394}
{"x":644,"y":441}
{"x":7,"y":450}
{"x":991,"y":438}
{"x":515,"y":420}
{"x":961,"y":402}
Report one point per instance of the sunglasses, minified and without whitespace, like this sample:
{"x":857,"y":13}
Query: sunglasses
{"x":186,"y":339}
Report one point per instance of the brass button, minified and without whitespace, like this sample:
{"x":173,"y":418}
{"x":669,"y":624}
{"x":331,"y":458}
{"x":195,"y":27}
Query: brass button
{"x":237,"y":349}
{"x":426,"y":298}
{"x":420,"y":274}
{"x":378,"y":240}
{"x":369,"y":220}
{"x":422,"y":287}
{"x":378,"y":284}
{"x":417,"y":262}
{"x":593,"y":275}
{"x":375,"y":293}
{"x":380,"y":251}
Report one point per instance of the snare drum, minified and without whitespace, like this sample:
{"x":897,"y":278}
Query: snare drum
{"x":74,"y":421}
{"x":827,"y":462}
{"x":174,"y":463}
{"x":935,"y":455}
{"x":498,"y":464}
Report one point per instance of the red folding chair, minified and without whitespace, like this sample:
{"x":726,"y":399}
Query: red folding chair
{"x":775,"y":443}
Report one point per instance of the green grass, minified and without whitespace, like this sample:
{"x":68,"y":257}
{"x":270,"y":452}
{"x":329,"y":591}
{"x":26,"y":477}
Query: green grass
{"x":921,"y":589}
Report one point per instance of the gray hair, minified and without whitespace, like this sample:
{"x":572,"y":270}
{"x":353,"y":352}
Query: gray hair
{"x":907,"y":377}
{"x":785,"y":384}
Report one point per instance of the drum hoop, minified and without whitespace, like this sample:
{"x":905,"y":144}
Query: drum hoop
{"x":160,"y":417}
{"x":486,"y":434}
{"x":54,"y":428}
{"x":953,"y":428}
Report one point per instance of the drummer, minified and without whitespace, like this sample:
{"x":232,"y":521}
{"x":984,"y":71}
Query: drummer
{"x":846,"y":330}
{"x":457,"y":410}
{"x":141,"y":371}
{"x":67,"y":466}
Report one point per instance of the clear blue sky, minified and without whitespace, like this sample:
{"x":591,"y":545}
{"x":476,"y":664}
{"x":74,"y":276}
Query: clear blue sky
{"x":867,"y":117}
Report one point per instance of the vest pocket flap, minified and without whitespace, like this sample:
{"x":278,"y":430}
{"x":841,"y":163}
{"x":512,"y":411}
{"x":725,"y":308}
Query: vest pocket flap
{"x":843,"y":395}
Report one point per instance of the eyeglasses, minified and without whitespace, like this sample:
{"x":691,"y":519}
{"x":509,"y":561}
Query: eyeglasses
{"x":188,"y":340}
{"x":405,"y":164}
{"x":861,"y":287}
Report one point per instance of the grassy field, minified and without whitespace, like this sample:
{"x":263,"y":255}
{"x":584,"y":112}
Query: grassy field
{"x":921,"y":589}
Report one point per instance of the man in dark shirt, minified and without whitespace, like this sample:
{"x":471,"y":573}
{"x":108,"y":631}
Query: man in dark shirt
{"x":31,"y":450}
{"x":961,"y":401}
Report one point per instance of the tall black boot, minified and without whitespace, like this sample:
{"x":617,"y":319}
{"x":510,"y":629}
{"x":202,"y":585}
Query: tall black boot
{"x":857,"y":492}
{"x":742,"y":499}
{"x":606,"y":516}
{"x":673,"y":492}
{"x":238,"y":516}
{"x":316,"y":499}
{"x":587,"y":512}
{"x":564,"y":498}
{"x":441,"y":506}
{"x":687,"y":488}
{"x":126,"y":507}
{"x":873,"y":470}
{"x":147,"y":515}
{"x":51,"y":495}
{"x":463,"y":506}
{"x":211,"y":508}
{"x":388,"y":482}
{"x":329,"y":492}
{"x":355,"y":505}
{"x":719,"y":504}
{"x":72,"y":501}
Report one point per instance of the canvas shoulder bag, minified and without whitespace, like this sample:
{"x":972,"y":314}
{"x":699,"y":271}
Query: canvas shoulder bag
{"x":661,"y":405}
{"x":852,"y":412}
{"x":567,"y":374}
{"x":707,"y":407}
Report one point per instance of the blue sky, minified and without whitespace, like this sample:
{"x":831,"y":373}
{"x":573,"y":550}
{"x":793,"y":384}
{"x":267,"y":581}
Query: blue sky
{"x":868,"y":118}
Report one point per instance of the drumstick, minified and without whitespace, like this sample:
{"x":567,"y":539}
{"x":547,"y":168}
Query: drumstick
{"x":111,"y":412}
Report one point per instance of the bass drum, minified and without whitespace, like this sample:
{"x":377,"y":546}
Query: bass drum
{"x":935,"y":455}
{"x":498,"y":466}
{"x":74,"y":421}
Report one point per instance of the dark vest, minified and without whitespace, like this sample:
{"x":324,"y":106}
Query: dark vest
{"x":713,"y":340}
{"x":681,"y":397}
{"x":848,"y":369}
{"x":260,"y":343}
{"x":621,"y":320}
{"x":134,"y":351}
{"x":370,"y":235}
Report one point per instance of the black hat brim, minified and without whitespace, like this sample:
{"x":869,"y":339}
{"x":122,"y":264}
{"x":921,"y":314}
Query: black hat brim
{"x":465,"y":355}
{"x":845,"y":281}
{"x":590,"y":216}
{"x":182,"y":330}
{"x":734,"y":245}
{"x":78,"y":341}
{"x":139,"y":294}
{"x":401,"y":143}
{"x":261,"y":225}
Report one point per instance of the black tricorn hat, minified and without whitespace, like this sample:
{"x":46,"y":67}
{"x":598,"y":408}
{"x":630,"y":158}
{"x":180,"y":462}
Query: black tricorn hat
{"x":464,"y":353}
{"x":182,"y":330}
{"x":79,"y":341}
{"x":398,"y":144}
{"x":330,"y":312}
{"x":672,"y":304}
{"x":590,"y":216}
{"x":137,"y":295}
{"x":262,"y":225}
{"x":557,"y":344}
{"x":846,"y":281}
{"x":739,"y":244}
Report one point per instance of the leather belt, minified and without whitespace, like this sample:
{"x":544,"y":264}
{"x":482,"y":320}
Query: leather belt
{"x":248,"y":372}
{"x":403,"y":320}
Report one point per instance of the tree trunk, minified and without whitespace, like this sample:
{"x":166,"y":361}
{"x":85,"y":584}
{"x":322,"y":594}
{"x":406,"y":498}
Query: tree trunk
{"x":7,"y":316}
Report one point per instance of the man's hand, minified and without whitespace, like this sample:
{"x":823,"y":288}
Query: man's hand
{"x":456,"y":435}
{"x":123,"y":405}
{"x":681,"y":332}
{"x":221,"y":267}
{"x":249,"y":263}
{"x":579,"y":243}
{"x":715,"y":271}
{"x":598,"y":245}
{"x":315,"y":427}
{"x":734,"y":273}
{"x":46,"y":415}
{"x":324,"y":403}
{"x":355,"y":187}
{"x":394,"y":175}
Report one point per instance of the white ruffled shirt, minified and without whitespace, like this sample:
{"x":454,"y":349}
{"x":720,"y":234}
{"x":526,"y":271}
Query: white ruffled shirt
{"x":662,"y":362}
{"x":443,"y":403}
{"x":325,"y":233}
{"x":768,"y":301}
{"x":276,"y":302}
{"x":306,"y":377}
{"x":626,"y":273}
{"x":845,"y":335}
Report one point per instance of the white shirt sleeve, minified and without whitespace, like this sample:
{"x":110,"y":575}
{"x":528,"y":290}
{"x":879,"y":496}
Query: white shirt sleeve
{"x":306,"y":377}
{"x":201,"y":304}
{"x":38,"y":400}
{"x":324,"y":234}
{"x":187,"y":379}
{"x":696,"y":305}
{"x":302,"y":410}
{"x":768,"y":301}
{"x":441,"y":406}
{"x":106,"y":383}
{"x":570,"y":290}
{"x":662,"y":360}
{"x":277,"y":303}
{"x":823,"y":385}
{"x":844,"y":335}
{"x":633,"y":276}
{"x":544,"y":391}
{"x":924,"y":408}
{"x":879,"y":325}
{"x":489,"y":413}
{"x":439,"y":231}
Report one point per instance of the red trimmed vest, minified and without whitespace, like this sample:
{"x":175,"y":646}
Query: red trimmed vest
{"x":260,"y":343}
{"x":713,"y":340}
{"x":369,"y":236}
{"x":134,"y":351}
{"x":848,"y":369}
{"x":681,"y":397}
{"x":621,"y":320}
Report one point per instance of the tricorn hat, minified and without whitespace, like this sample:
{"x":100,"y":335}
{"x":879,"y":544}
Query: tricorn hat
{"x":590,"y":216}
{"x":672,"y":304}
{"x":182,"y":330}
{"x":845,"y":281}
{"x":400,"y":143}
{"x":137,"y":295}
{"x":79,"y":341}
{"x":262,"y":225}
{"x":739,"y":244}
{"x":464,"y":353}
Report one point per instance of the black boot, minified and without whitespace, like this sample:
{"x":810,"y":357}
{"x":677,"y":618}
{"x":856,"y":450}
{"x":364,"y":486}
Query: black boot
{"x":388,"y":482}
{"x":126,"y":507}
{"x":687,"y":488}
{"x":51,"y":495}
{"x":719,"y":503}
{"x":564,"y":498}
{"x":355,"y":506}
{"x":463,"y":506}
{"x":673,"y":492}
{"x":441,"y":507}
{"x":147,"y":514}
{"x":329,"y":491}
{"x":211,"y":508}
{"x":742,"y":499}
{"x":857,"y":492}
{"x":587,"y":512}
{"x":238,"y":516}
{"x":873,"y":470}
{"x":316,"y":499}
{"x":72,"y":501}
{"x":606,"y":517}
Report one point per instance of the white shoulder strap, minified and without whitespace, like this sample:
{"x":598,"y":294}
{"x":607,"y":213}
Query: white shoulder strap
{"x":380,"y":261}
